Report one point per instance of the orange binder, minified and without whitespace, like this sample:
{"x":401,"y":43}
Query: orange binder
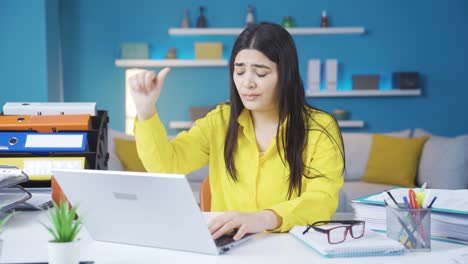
{"x":50,"y":123}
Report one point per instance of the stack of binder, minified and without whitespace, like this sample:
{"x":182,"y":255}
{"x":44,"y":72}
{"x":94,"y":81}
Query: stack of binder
{"x":38,"y":137}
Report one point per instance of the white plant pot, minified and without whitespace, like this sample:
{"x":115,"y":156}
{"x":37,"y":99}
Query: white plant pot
{"x":64,"y":252}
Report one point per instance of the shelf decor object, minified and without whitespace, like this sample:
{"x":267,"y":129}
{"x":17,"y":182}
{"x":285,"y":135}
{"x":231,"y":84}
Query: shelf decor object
{"x":201,"y":20}
{"x":208,"y":50}
{"x":135,"y":50}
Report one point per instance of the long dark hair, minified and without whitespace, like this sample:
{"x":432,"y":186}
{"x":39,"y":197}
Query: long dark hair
{"x":277,"y":44}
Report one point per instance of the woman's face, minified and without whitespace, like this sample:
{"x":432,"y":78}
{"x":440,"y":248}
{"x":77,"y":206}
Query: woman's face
{"x":256,"y":80}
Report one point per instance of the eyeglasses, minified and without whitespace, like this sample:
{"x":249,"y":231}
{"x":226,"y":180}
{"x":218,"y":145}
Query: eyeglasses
{"x":339,"y":229}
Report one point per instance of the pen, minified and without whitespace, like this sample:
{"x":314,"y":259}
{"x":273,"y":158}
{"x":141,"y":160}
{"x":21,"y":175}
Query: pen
{"x":408,"y":206}
{"x":388,"y":201}
{"x":421,"y":194}
{"x":414,"y":205}
{"x":423,"y":187}
{"x":432,"y":202}
{"x":405,"y":200}
{"x":426,"y":199}
{"x":410,"y":234}
{"x":412,"y":199}
{"x":393,"y":199}
{"x":420,"y":198}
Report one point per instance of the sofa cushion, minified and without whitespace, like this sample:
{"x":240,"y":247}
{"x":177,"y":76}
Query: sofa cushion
{"x":394,"y":160}
{"x":444,"y":161}
{"x":128,"y":155}
{"x":357,"y":148}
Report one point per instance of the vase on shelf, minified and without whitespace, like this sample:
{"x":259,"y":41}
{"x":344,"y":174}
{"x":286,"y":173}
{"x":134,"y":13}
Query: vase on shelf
{"x":249,"y":18}
{"x":171,"y":54}
{"x":201,"y":21}
{"x":185,"y":20}
{"x":324,"y":19}
{"x":287,"y":22}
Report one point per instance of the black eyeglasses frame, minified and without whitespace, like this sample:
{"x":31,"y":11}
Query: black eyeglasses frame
{"x":348,"y":224}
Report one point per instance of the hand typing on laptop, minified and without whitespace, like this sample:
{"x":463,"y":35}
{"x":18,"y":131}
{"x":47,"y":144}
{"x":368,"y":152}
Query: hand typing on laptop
{"x":244,"y":223}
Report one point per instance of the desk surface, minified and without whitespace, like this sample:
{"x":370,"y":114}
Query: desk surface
{"x":25,"y":240}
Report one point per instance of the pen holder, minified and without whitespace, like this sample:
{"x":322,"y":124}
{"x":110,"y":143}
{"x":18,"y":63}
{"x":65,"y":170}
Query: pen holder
{"x":411,"y":227}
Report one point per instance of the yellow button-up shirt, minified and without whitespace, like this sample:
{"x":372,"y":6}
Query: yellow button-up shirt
{"x":262,"y":178}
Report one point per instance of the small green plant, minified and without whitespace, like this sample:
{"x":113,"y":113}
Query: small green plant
{"x":64,"y":226}
{"x":5,"y":220}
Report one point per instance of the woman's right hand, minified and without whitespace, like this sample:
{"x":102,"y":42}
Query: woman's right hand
{"x":145,"y":88}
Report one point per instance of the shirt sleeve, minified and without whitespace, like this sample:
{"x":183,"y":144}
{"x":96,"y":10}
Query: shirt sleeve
{"x":185,"y":153}
{"x":320,"y":195}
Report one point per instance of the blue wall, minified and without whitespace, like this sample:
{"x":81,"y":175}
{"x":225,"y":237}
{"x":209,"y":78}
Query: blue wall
{"x":23,"y":65}
{"x":402,"y":36}
{"x":30,"y":51}
{"x":54,"y":67}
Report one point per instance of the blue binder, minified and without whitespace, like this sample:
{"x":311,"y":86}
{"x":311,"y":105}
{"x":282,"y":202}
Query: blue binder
{"x":42,"y":142}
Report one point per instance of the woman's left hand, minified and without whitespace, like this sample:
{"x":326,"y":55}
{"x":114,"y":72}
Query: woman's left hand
{"x":244,"y":222}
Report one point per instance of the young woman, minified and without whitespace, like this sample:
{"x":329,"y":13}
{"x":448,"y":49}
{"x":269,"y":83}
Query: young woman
{"x":274,"y":161}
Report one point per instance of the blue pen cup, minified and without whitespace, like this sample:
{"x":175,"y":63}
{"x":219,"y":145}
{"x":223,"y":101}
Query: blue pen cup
{"x":411,"y":227}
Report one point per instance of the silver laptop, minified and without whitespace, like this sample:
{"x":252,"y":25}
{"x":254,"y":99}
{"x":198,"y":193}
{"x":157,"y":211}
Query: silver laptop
{"x":146,"y":209}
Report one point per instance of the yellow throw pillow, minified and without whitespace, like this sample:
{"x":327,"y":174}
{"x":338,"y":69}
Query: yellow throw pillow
{"x":127,"y":153}
{"x":394,"y":160}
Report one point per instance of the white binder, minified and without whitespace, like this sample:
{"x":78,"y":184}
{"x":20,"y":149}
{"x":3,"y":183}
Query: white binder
{"x":49,"y":108}
{"x":331,"y":72}
{"x":313,"y":75}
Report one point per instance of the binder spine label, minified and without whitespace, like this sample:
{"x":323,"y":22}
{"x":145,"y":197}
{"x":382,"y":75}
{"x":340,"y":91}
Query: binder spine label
{"x":43,"y":167}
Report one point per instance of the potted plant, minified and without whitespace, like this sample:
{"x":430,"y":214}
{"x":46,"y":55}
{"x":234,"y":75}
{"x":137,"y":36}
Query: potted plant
{"x":64,"y":248}
{"x":2,"y":224}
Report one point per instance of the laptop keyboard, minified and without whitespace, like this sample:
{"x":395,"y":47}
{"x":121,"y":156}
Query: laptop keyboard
{"x":226,"y":239}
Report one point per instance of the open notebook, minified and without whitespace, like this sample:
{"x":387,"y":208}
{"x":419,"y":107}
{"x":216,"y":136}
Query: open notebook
{"x":371,"y":244}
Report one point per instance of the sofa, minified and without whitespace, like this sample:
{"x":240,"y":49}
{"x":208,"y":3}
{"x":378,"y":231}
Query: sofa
{"x":442,"y":162}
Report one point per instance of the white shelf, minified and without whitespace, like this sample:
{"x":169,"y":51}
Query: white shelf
{"x":341,"y":123}
{"x":293,"y":31}
{"x":325,"y":31}
{"x":350,"y":123}
{"x":364,"y":93}
{"x":205,"y":31}
{"x":127,"y":63}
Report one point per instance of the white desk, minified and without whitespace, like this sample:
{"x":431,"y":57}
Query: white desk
{"x":25,"y":240}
